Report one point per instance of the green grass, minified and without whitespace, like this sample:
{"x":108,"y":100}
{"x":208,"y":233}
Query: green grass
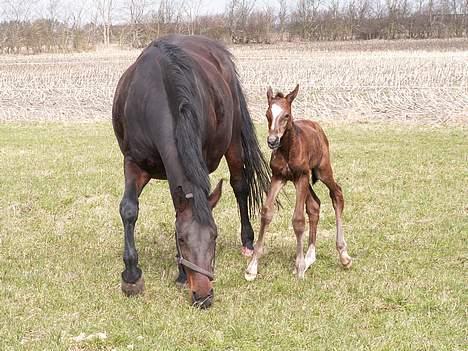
{"x":405,"y":223}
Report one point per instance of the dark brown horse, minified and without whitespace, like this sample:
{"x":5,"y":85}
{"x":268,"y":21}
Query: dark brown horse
{"x":301,"y":155}
{"x":177,"y":111}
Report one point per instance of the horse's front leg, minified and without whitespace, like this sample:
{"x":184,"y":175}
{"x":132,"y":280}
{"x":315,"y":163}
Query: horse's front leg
{"x":135,"y":180}
{"x":298,"y":222}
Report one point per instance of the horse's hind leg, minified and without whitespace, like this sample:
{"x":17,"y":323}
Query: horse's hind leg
{"x":313,"y":211}
{"x":234,"y":158}
{"x":336,"y":194}
{"x":267,"y":216}
{"x":135,"y":180}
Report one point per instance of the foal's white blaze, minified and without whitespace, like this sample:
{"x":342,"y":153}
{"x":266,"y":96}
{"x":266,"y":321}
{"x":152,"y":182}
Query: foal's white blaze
{"x":276,"y":112}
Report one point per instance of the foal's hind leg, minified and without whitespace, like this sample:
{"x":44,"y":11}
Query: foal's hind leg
{"x":313,"y":211}
{"x":135,"y":180}
{"x":267,"y":216}
{"x":336,"y":194}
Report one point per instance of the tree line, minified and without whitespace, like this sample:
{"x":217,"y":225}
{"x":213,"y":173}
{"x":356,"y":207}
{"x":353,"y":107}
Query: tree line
{"x":62,"y":25}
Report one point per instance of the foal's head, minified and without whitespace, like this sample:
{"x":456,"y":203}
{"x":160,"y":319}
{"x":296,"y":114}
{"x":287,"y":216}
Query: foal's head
{"x":279,"y":115}
{"x":197,"y":244}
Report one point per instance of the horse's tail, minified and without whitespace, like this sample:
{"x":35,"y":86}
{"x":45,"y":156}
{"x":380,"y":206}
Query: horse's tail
{"x":256,"y":169}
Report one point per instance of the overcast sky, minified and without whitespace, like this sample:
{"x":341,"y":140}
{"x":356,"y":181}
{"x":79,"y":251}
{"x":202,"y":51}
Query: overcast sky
{"x":37,"y":8}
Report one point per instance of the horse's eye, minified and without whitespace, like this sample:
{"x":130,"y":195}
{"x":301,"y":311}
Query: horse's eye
{"x":181,"y":240}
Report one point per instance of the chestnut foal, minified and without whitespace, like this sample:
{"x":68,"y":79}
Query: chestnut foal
{"x":300,"y":154}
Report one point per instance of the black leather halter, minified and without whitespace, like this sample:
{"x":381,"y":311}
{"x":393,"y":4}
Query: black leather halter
{"x":186,"y":263}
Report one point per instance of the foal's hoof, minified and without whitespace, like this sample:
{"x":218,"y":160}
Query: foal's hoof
{"x":132,"y":289}
{"x":346,"y":260}
{"x":247,"y":252}
{"x":250,"y":276}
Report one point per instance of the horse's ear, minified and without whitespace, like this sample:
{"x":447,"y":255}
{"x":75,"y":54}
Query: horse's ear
{"x":180,"y":200}
{"x":292,"y":95}
{"x":269,"y":95}
{"x":216,"y":194}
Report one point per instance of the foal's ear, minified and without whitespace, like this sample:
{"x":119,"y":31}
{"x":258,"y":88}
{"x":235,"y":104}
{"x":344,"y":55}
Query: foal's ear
{"x":216,"y":194}
{"x":292,"y":95}
{"x":269,"y":95}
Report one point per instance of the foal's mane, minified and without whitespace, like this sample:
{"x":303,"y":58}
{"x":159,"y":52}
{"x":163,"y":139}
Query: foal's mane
{"x":279,"y":95}
{"x":186,"y":108}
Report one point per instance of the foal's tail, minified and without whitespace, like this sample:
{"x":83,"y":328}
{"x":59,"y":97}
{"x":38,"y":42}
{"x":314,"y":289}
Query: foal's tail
{"x":256,"y":169}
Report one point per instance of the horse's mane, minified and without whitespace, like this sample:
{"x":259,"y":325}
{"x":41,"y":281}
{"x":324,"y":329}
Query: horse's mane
{"x":186,"y":107}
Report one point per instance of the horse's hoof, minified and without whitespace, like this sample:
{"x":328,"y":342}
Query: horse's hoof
{"x":247,"y":252}
{"x":132,"y":289}
{"x":249,"y":276}
{"x":346,"y":260}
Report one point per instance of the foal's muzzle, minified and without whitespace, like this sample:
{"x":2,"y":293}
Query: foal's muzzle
{"x":273,"y":142}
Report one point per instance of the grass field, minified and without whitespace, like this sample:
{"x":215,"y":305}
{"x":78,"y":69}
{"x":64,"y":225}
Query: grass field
{"x":405,"y":223}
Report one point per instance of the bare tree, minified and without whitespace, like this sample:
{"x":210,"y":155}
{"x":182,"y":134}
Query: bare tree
{"x":306,"y":14}
{"x":282,"y":16}
{"x":136,"y":15}
{"x":104,"y":11}
{"x":192,"y":14}
{"x":18,"y":12}
{"x":238,"y":12}
{"x":167,"y":15}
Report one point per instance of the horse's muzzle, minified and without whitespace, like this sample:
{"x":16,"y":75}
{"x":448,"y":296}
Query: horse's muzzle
{"x":202,"y":302}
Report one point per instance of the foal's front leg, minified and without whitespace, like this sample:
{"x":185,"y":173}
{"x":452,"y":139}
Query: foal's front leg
{"x":267,"y":215}
{"x":298,"y":222}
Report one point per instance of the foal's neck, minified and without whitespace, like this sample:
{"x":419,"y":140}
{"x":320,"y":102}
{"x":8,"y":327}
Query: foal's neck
{"x":288,"y":139}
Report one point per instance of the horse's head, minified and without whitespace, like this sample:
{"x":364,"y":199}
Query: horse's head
{"x":197,"y":244}
{"x":279,"y":115}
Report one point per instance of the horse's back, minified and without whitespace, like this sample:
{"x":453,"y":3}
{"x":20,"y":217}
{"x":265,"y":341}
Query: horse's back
{"x":142,"y":102}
